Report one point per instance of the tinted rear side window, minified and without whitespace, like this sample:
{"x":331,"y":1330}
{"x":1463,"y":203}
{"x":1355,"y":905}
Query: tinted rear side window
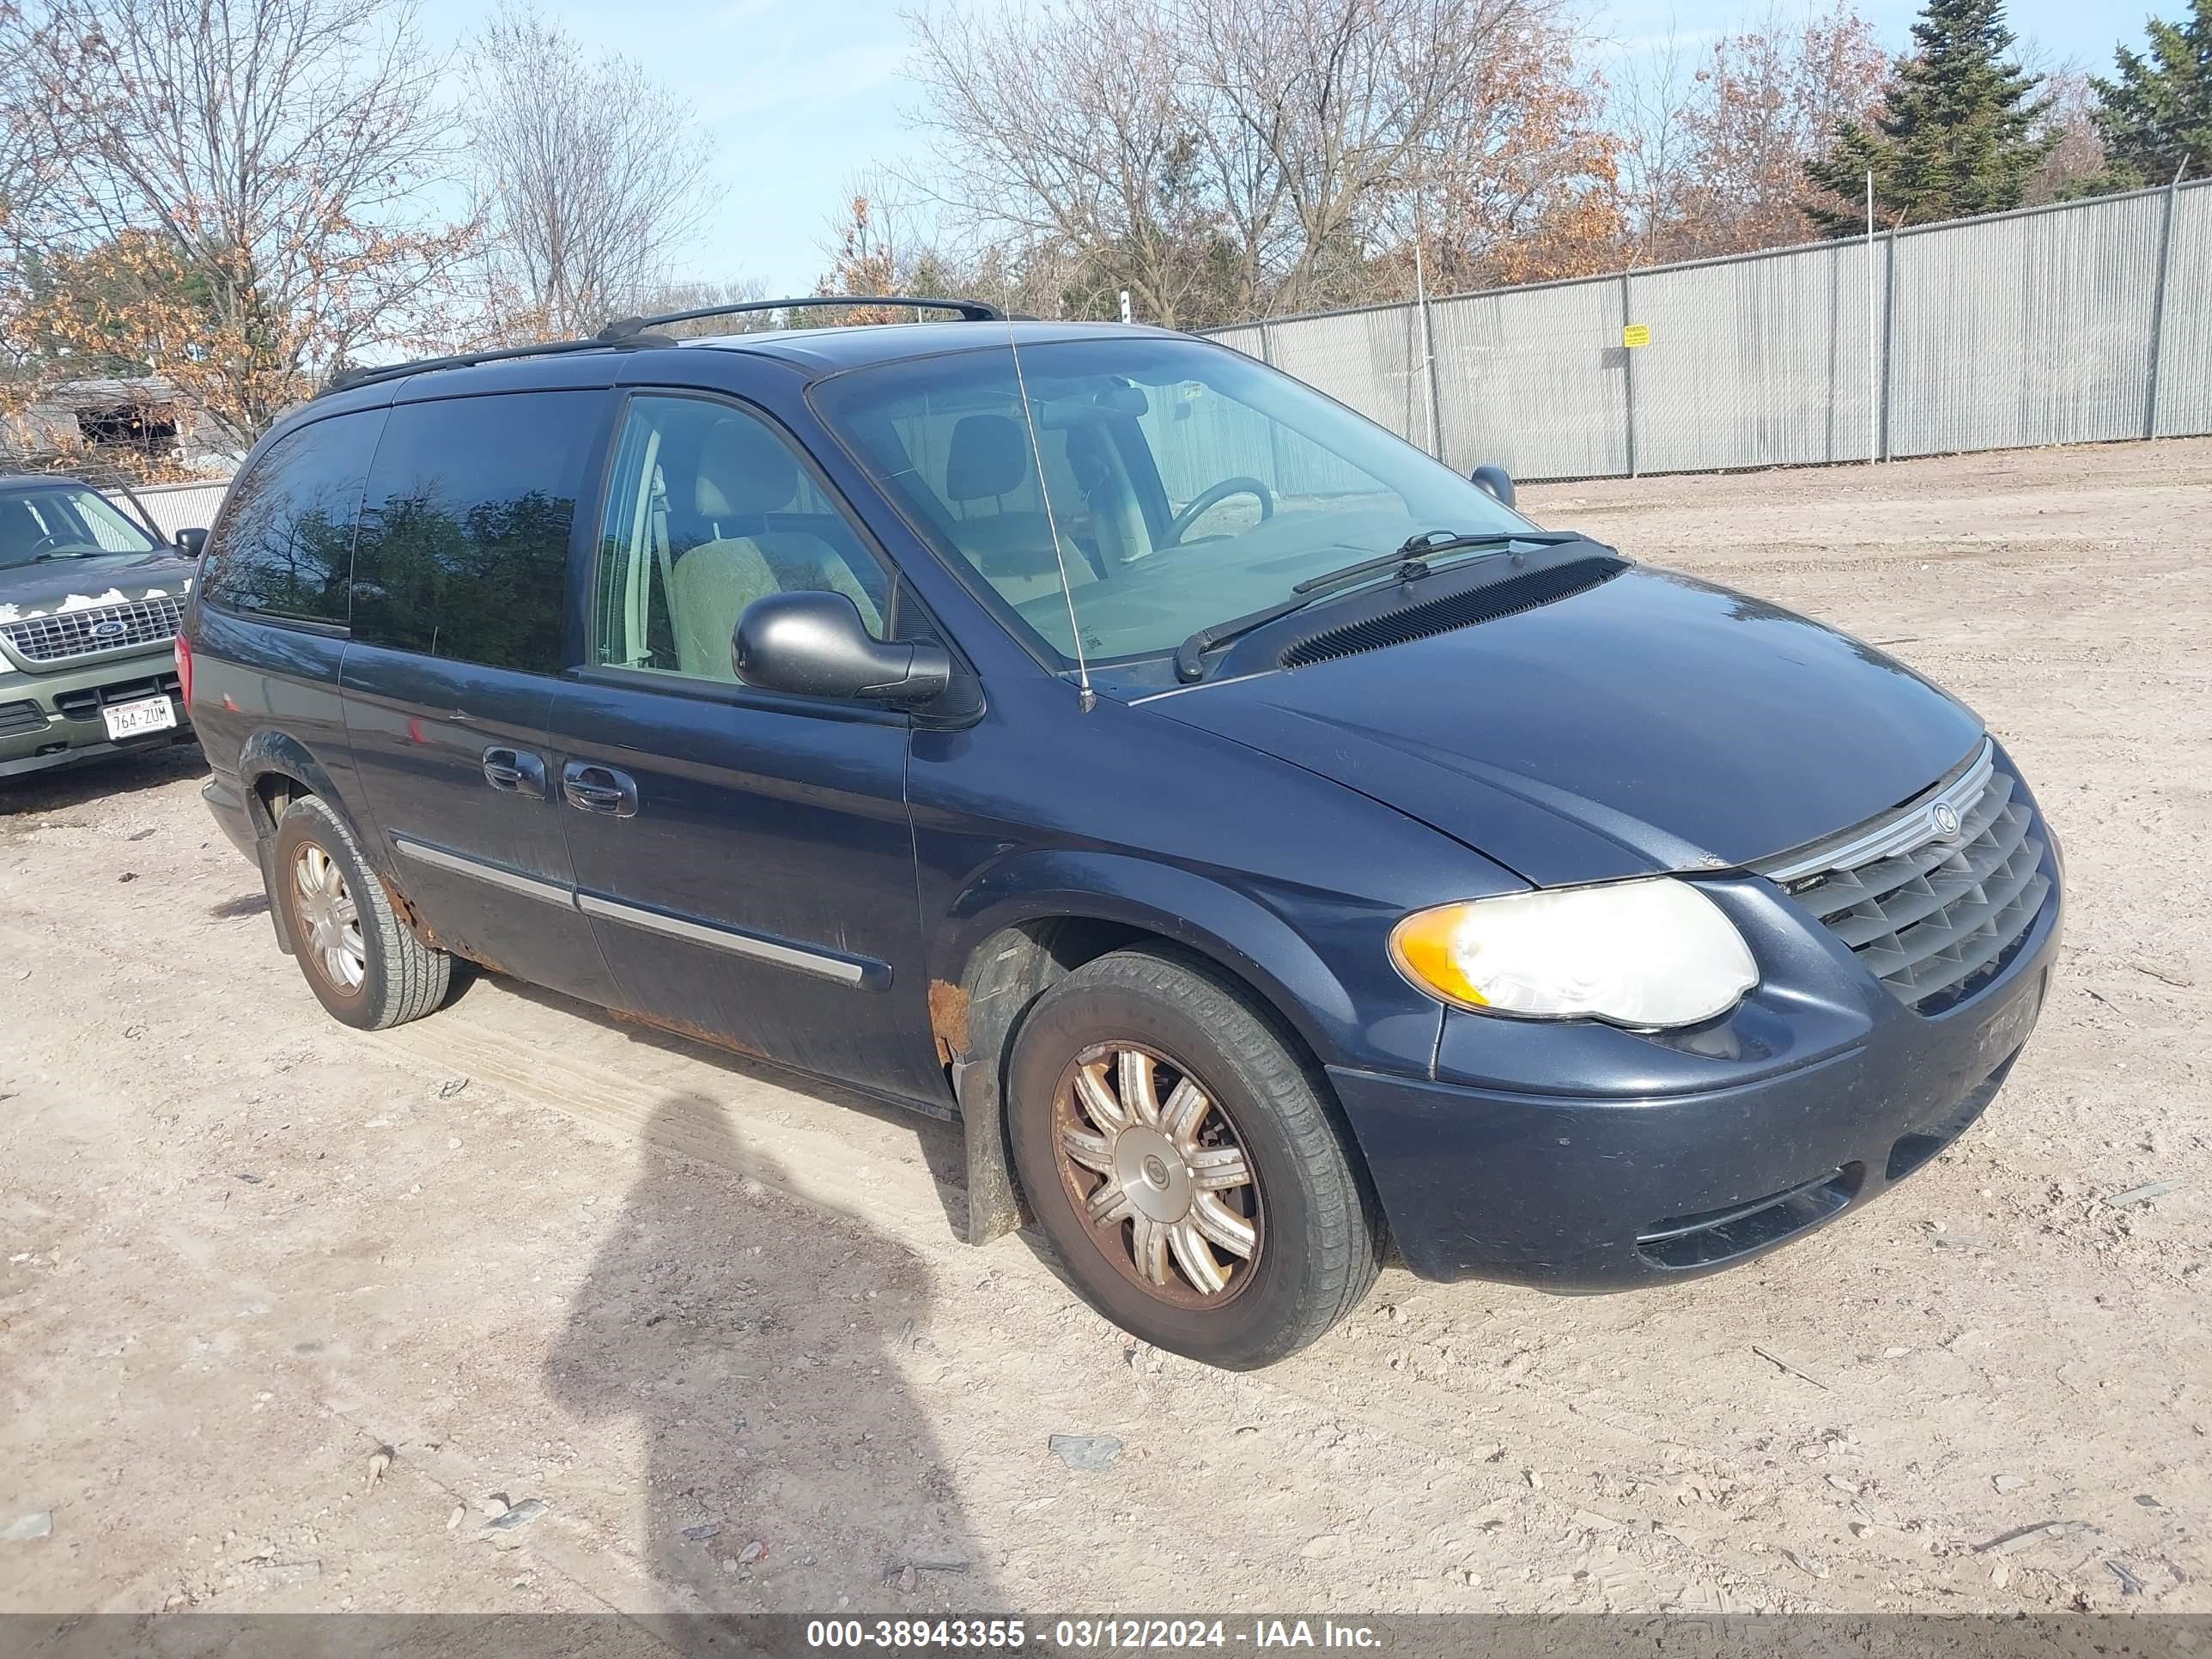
{"x":464,"y":541}
{"x":285,"y":546}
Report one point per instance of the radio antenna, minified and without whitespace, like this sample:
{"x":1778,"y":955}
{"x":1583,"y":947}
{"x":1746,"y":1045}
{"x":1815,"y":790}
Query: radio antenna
{"x":1086,"y":699}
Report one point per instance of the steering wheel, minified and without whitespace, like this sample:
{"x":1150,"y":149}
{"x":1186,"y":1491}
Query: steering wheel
{"x":1212,"y":495}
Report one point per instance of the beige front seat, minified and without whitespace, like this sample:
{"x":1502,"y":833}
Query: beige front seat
{"x":744,"y":473}
{"x":987,"y":459}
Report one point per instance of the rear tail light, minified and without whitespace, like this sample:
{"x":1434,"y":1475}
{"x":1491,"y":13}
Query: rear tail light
{"x":184,"y":672}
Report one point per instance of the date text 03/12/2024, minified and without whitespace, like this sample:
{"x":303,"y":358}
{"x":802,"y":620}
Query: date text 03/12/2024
{"x":1086,"y":1635}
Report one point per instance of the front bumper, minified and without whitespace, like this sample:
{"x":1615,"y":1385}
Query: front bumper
{"x":1602,"y":1172}
{"x":49,"y":720}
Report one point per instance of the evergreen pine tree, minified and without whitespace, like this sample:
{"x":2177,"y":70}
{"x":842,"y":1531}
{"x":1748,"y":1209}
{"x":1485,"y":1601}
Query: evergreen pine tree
{"x":1957,"y":134}
{"x":2157,"y":116}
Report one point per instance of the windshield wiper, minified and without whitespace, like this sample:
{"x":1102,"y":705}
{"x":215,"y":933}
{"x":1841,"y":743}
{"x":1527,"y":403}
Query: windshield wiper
{"x":1414,"y":553}
{"x":53,"y":555}
{"x":1411,"y":562}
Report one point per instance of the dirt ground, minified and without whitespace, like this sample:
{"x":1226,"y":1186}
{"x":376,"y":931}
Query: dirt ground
{"x":717,"y":1323}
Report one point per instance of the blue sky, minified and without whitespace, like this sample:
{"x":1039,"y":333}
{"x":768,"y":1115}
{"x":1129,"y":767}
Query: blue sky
{"x":795,"y":98}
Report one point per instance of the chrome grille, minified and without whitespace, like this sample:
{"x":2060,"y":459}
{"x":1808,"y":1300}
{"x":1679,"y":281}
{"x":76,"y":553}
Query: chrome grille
{"x":94,"y":629}
{"x":1934,"y":914}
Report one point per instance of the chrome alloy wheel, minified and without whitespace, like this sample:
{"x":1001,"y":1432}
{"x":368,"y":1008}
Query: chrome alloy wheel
{"x":329,"y":919}
{"x":1164,"y":1183}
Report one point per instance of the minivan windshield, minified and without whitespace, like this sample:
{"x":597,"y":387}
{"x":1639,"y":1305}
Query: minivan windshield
{"x":50,"y":524}
{"x":1189,"y":484}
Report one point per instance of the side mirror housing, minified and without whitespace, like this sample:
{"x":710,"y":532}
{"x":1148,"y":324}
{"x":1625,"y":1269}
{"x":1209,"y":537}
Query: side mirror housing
{"x":1494,"y":481}
{"x":815,"y":645}
{"x":190,"y":542}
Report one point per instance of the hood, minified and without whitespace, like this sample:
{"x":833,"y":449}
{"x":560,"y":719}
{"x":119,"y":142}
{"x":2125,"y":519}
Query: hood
{"x":39,"y":590}
{"x":1653,"y":723}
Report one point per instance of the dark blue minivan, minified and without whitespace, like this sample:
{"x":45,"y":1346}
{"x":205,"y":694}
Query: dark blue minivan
{"x":1270,"y":847}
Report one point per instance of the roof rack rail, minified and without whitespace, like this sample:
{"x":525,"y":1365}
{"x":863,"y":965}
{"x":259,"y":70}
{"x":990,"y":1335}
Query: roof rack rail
{"x":636,"y":331}
{"x":974,"y":311}
{"x":371,"y":374}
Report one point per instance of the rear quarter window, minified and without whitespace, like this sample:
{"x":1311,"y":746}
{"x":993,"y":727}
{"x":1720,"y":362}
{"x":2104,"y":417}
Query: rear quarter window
{"x":463,"y":545}
{"x":283,"y":548}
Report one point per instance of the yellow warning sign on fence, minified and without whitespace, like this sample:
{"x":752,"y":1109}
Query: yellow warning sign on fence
{"x":1636,"y":334}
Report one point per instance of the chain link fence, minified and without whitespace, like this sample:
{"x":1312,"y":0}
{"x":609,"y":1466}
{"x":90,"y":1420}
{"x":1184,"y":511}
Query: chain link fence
{"x":2074,"y":323}
{"x":181,"y":507}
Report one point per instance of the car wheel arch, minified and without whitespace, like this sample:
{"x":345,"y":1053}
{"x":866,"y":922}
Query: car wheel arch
{"x":997,"y":966}
{"x":1098,"y":892}
{"x":275,"y":768}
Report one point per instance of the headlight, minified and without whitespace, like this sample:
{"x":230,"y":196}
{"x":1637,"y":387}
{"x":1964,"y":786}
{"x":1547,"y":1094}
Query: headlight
{"x":1646,"y":954}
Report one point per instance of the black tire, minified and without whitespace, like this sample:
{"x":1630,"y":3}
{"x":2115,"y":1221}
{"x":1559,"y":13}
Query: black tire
{"x":401,"y":978}
{"x":1317,"y":1229}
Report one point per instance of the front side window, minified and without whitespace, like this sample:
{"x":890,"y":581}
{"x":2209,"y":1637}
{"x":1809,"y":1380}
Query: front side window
{"x":283,"y":546}
{"x":465,"y":534}
{"x":708,"y":510}
{"x":48,"y":525}
{"x":1188,"y":485}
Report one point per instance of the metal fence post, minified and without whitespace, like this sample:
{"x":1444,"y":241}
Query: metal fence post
{"x":1628,"y":375}
{"x":1872,"y":346}
{"x":1274,"y":428}
{"x":1888,"y":334}
{"x":2158,"y":306}
{"x":1429,"y":351}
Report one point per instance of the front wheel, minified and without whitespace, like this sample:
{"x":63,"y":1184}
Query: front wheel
{"x":1184,"y":1164}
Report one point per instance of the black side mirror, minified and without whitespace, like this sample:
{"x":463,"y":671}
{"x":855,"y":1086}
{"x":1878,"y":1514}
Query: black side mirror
{"x":190,"y":542}
{"x":815,"y":645}
{"x":1494,"y":480}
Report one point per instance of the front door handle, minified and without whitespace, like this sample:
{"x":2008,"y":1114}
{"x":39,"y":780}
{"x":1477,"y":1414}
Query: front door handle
{"x":514,"y":772}
{"x":593,"y":788}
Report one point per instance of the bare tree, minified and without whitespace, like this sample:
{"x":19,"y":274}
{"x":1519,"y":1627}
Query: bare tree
{"x":1525,"y":183}
{"x":2076,"y":163}
{"x":1223,"y":158}
{"x":1070,"y":129}
{"x":593,"y":174}
{"x":1716,"y":163}
{"x":246,"y":173}
{"x":27,"y":165}
{"x":1774,"y":98}
{"x":1355,"y":107}
{"x":875,"y":243}
{"x":1651,"y":97}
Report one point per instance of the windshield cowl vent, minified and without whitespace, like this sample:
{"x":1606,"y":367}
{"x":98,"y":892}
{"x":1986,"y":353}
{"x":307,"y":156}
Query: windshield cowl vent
{"x":1487,"y":602}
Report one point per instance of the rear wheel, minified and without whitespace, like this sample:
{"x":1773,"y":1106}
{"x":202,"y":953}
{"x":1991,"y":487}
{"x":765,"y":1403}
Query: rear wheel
{"x":359,"y":959}
{"x":1182,"y":1161}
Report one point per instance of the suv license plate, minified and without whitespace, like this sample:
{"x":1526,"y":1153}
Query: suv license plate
{"x":135,"y":720}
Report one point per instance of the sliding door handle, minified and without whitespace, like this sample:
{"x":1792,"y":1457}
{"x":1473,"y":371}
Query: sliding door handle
{"x":601,"y":789}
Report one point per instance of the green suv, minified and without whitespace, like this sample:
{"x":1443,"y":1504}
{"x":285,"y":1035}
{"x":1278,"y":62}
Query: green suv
{"x":88,"y":606}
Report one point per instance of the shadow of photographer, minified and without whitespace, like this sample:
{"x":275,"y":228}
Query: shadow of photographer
{"x":758,"y":1340}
